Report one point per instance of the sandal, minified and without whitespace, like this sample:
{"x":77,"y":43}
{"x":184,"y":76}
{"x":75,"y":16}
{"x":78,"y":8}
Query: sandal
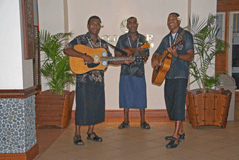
{"x":123,"y":125}
{"x":77,"y":140}
{"x":172,"y":143}
{"x":181,"y":137}
{"x":96,"y":138}
{"x":145,"y":125}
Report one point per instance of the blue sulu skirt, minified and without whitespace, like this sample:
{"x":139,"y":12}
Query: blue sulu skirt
{"x":132,"y":92}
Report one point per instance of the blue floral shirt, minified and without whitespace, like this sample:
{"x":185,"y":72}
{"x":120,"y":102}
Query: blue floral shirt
{"x":179,"y":68}
{"x":135,"y":69}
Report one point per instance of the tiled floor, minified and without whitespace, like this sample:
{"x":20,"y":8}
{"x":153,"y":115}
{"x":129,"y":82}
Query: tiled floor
{"x":203,"y":143}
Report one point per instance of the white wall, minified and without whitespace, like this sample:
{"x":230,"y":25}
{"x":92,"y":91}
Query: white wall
{"x":152,"y":16}
{"x":16,"y":73}
{"x":51,"y":18}
{"x":11,"y":74}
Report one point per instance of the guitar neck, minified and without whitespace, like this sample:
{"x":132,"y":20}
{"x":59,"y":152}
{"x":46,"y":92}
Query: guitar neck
{"x":117,"y":49}
{"x":116,"y":58}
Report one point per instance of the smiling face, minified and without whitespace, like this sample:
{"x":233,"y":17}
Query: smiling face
{"x":132,"y":25}
{"x":173,"y":23}
{"x":94,"y":26}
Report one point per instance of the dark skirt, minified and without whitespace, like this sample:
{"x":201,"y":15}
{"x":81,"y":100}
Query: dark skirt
{"x":175,"y":97}
{"x":132,"y":92}
{"x":90,"y":103}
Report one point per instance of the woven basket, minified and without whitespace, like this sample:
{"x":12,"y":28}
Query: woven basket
{"x":54,"y":109}
{"x":208,"y":108}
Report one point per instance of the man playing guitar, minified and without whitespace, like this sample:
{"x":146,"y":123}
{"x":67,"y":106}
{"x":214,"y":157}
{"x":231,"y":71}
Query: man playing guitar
{"x":90,"y":94}
{"x":176,"y":78}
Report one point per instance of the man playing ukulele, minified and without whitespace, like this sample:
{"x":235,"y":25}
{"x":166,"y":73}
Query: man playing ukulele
{"x":132,"y":78}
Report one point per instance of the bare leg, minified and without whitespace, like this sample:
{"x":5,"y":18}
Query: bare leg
{"x":90,"y":129}
{"x":142,"y":115}
{"x":77,"y":130}
{"x":126,"y":119}
{"x":178,"y":129}
{"x":143,"y":123}
{"x":126,"y":115}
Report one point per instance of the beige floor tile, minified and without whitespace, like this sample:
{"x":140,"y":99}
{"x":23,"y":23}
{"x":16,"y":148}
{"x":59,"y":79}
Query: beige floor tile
{"x":101,"y":148}
{"x":63,"y":156}
{"x":51,"y":152}
{"x":100,"y":156}
{"x":235,"y":158}
{"x":209,"y":157}
{"x":205,"y":142}
{"x":169,"y":157}
{"x":156,"y":152}
{"x":133,"y":156}
{"x":81,"y":152}
{"x":117,"y":152}
{"x":184,"y":153}
{"x":208,"y":147}
{"x":225,"y":153}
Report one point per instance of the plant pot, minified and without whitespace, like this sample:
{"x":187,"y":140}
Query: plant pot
{"x":53,"y":109}
{"x":208,"y":108}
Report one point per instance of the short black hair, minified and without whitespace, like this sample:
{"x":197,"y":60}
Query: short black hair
{"x":174,"y":13}
{"x":131,"y":18}
{"x":92,"y":17}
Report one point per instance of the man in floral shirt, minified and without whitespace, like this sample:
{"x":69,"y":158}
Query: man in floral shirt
{"x":90,"y":94}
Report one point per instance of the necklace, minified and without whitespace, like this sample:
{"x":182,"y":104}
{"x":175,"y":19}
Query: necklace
{"x":92,"y":44}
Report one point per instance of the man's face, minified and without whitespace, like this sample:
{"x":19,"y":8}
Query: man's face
{"x":94,"y":26}
{"x":173,"y":23}
{"x":132,"y":25}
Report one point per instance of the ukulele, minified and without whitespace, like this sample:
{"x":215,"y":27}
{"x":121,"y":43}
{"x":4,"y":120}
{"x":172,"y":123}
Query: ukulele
{"x":132,"y":50}
{"x":165,"y":59}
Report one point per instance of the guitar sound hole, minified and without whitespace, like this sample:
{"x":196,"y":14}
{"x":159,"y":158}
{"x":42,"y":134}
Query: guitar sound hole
{"x":92,"y":65}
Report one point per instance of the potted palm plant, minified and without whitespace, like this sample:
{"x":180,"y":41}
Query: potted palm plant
{"x":54,"y":106}
{"x":206,"y":106}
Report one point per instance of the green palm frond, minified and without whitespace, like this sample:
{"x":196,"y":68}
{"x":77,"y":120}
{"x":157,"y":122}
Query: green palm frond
{"x":206,"y":47}
{"x":55,"y":67}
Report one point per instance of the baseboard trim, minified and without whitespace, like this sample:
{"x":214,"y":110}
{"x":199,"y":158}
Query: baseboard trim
{"x":134,"y":113}
{"x":18,"y":93}
{"x":29,"y":155}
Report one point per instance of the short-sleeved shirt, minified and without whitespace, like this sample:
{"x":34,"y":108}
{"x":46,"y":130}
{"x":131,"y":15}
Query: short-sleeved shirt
{"x":85,"y":39}
{"x":135,"y":69}
{"x":179,"y":68}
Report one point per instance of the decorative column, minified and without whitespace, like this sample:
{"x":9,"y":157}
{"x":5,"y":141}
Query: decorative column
{"x":17,"y":124}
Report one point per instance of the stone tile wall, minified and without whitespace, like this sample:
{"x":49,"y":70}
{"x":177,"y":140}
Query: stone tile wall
{"x":17,"y":125}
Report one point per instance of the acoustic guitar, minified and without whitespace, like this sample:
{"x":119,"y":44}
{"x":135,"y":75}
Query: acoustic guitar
{"x":164,"y":60}
{"x":79,"y":66}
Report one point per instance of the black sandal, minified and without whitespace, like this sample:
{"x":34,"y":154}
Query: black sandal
{"x":96,"y":138}
{"x":77,"y":140}
{"x":145,"y":125}
{"x":172,"y":143}
{"x":181,"y":137}
{"x":123,"y":125}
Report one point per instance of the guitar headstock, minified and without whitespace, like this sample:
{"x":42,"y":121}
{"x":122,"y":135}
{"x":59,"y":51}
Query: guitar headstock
{"x":147,"y":45}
